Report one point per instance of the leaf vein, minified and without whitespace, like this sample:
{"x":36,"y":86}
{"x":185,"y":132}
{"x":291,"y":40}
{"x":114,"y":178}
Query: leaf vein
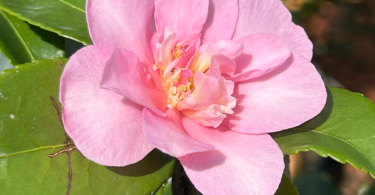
{"x":19,"y":36}
{"x":32,"y":150}
{"x":342,"y":141}
{"x":73,"y":6}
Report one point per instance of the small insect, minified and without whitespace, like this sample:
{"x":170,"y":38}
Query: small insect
{"x":69,"y":147}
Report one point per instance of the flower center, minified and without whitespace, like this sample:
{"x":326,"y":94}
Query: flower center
{"x":176,"y":86}
{"x":191,"y":87}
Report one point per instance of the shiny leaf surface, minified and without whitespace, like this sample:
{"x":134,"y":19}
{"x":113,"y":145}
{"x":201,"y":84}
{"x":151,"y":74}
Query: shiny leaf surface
{"x":52,"y":15}
{"x":344,"y":131}
{"x":21,"y":43}
{"x":30,"y":130}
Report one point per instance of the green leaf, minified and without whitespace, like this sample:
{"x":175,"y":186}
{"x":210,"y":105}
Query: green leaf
{"x":166,"y":188}
{"x":77,"y":4}
{"x":52,"y":15}
{"x":30,"y":130}
{"x":286,"y":187}
{"x":344,"y":131}
{"x":21,"y":43}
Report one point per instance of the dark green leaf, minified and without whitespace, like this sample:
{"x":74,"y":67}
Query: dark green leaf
{"x":286,"y":187}
{"x":166,"y":188}
{"x":30,"y":130}
{"x":344,"y":130}
{"x":77,"y":4}
{"x":316,"y":183}
{"x":21,"y":43}
{"x":52,"y":15}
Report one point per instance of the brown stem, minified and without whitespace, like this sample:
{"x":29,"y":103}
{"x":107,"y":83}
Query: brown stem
{"x":69,"y":147}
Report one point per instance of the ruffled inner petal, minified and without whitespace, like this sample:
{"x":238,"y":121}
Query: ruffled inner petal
{"x":124,"y":74}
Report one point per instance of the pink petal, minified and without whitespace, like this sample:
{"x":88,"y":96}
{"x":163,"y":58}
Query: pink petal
{"x":271,"y":16}
{"x":124,"y":74}
{"x":221,"y":64}
{"x":187,"y":17}
{"x":228,"y":48}
{"x":166,"y":134}
{"x":167,"y":46}
{"x":226,"y":87}
{"x":105,"y":126}
{"x":186,"y":57}
{"x":221,"y":20}
{"x":121,"y":24}
{"x":262,"y":54}
{"x":211,"y":116}
{"x":284,"y":98}
{"x":227,"y":103}
{"x":241,"y":163}
{"x":205,"y":94}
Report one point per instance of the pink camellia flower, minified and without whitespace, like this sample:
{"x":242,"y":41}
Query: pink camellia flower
{"x":202,"y":80}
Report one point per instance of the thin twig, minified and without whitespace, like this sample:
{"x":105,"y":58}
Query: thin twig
{"x":70,"y":175}
{"x":57,"y":109}
{"x":68,"y":148}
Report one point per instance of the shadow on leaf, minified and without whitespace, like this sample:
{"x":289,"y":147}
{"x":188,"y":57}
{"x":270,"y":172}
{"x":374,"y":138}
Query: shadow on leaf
{"x":50,"y":37}
{"x":154,"y":161}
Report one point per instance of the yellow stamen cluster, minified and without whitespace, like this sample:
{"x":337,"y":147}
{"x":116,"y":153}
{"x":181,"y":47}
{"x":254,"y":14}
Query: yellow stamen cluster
{"x":176,"y":94}
{"x":177,"y":52}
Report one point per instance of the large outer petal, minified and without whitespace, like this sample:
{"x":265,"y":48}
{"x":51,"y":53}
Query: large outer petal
{"x":284,"y":98}
{"x":221,"y":20}
{"x":271,"y":16}
{"x":187,"y":17}
{"x":121,"y":24}
{"x":105,"y":126}
{"x":124,"y":74}
{"x":166,"y":134}
{"x":262,"y":54}
{"x":241,"y":163}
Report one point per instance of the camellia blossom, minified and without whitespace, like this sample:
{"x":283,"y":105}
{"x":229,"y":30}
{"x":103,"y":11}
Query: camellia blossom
{"x":203,"y":81}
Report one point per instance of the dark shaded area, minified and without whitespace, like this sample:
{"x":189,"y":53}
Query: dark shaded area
{"x":154,"y":161}
{"x":315,"y":183}
{"x":50,"y":37}
{"x":71,"y":47}
{"x":181,"y":184}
